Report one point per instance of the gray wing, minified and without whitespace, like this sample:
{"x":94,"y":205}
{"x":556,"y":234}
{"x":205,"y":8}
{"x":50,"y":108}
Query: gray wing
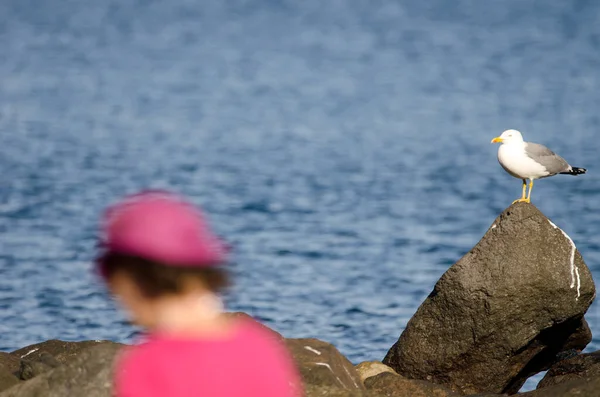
{"x":547,"y":158}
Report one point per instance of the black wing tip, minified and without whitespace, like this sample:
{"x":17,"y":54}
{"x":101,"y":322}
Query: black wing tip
{"x":575,"y":171}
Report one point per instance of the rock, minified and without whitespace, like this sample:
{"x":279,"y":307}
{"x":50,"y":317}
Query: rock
{"x":9,"y":363}
{"x":44,"y":363}
{"x":62,"y":351}
{"x":321,"y":364}
{"x":9,"y":366}
{"x":398,"y":386}
{"x":328,"y":391}
{"x":588,"y":387}
{"x":577,"y":340}
{"x":503,"y":312}
{"x":89,"y":375}
{"x":244,"y":316}
{"x":582,"y":366}
{"x":368,"y":369}
{"x":7,"y":380}
{"x":31,"y":369}
{"x":43,"y":357}
{"x":487,"y":395}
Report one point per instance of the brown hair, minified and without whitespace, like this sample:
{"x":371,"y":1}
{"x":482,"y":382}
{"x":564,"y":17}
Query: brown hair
{"x":157,"y":279}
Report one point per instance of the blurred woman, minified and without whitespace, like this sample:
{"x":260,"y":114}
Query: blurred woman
{"x":163,"y":263}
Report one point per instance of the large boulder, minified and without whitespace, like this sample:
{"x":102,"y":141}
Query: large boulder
{"x":503,"y":312}
{"x":395,"y":385}
{"x":321,"y":364}
{"x":579,"y":367}
{"x":89,"y":374}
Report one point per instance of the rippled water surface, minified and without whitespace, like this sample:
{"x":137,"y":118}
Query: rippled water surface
{"x":342,"y":147}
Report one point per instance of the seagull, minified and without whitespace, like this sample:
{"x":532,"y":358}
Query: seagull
{"x":527,"y":160}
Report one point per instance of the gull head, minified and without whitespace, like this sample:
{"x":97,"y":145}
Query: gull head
{"x":509,"y":136}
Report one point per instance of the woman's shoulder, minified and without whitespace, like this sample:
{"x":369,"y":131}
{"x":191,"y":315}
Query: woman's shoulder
{"x":268,"y":344}
{"x":132,"y":354}
{"x":240,"y":331}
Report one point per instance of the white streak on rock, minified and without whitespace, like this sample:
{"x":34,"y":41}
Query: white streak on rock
{"x":578,"y":283}
{"x":574,"y":270}
{"x":494,"y":226}
{"x":328,"y":366}
{"x":312,"y":350}
{"x":30,"y":351}
{"x":350,"y":376}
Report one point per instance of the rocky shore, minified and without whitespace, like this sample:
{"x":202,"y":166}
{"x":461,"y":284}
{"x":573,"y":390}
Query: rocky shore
{"x":512,"y":307}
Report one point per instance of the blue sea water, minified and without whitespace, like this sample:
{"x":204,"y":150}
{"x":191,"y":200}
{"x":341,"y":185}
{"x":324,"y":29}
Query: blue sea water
{"x":341,"y":147}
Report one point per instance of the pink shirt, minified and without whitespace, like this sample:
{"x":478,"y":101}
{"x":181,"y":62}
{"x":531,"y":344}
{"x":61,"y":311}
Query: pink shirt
{"x":249,"y":363}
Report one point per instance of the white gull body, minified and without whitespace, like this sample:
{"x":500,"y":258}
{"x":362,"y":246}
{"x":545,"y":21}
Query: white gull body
{"x":527,"y":160}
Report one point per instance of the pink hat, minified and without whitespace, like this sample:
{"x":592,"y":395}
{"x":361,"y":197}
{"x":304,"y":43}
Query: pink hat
{"x":161,"y":226}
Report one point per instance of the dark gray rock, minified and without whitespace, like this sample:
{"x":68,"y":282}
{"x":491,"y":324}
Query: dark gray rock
{"x":321,"y":364}
{"x":503,"y":312}
{"x":89,"y":374}
{"x":577,"y":340}
{"x":579,"y":367}
{"x":398,"y":386}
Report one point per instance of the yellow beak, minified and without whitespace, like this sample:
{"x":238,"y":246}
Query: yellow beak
{"x":497,"y":140}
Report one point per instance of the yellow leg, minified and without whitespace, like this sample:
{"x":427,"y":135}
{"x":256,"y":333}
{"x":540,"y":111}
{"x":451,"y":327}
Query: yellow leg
{"x":530,"y":188}
{"x":523,"y":198}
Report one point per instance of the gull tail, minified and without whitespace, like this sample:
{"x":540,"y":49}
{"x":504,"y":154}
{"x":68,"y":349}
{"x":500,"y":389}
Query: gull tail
{"x":575,"y":171}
